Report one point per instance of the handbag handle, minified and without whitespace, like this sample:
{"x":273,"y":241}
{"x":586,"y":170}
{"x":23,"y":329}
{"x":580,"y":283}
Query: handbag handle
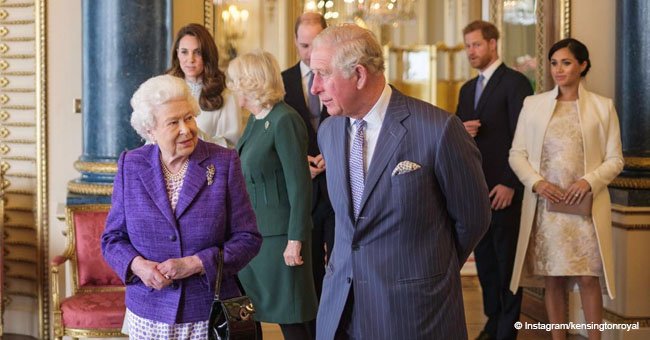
{"x":217,"y":285}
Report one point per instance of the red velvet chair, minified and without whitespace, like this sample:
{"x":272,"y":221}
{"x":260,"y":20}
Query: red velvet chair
{"x":96,"y":307}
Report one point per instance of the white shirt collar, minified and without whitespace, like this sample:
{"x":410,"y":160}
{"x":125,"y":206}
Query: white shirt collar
{"x":304,"y":69}
{"x":489,"y":71}
{"x":377,"y":113}
{"x":263,"y":113}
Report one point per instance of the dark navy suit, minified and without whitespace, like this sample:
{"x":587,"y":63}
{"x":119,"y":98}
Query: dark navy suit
{"x":398,"y":264}
{"x":498,"y":109}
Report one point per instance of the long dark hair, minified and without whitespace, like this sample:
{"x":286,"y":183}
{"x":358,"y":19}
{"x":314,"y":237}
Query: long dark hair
{"x":578,"y":49}
{"x":214,"y":81}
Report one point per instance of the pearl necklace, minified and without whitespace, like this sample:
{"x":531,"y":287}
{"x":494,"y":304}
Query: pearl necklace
{"x":174,"y":182}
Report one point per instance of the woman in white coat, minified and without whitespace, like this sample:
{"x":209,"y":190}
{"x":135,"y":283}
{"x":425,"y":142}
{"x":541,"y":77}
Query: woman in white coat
{"x":195,"y":58}
{"x":567,"y":144}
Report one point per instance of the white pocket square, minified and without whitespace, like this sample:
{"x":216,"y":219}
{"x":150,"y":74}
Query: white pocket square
{"x":405,"y":167}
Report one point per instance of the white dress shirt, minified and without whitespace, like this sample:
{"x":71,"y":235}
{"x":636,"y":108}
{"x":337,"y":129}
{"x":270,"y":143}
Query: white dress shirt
{"x":304,"y":75}
{"x":489,"y":71}
{"x":374,"y":120}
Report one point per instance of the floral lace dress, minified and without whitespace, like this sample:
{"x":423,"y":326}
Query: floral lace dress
{"x":563,"y":244}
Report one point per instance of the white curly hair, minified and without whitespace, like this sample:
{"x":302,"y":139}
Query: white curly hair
{"x":154,"y":92}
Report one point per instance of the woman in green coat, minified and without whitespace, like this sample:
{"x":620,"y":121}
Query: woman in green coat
{"x":273,"y":152}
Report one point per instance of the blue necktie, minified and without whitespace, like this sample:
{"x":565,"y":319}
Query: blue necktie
{"x":314,"y":103}
{"x":479,"y":90}
{"x":357,"y":171}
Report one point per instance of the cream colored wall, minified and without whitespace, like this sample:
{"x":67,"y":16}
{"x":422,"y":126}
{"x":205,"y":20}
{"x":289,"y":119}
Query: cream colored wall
{"x":64,"y":126}
{"x":594,"y":23}
{"x":185,"y":12}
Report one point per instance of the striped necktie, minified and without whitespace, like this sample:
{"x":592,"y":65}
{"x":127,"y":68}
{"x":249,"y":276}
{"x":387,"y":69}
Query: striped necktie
{"x":356,"y":161}
{"x":479,"y":90}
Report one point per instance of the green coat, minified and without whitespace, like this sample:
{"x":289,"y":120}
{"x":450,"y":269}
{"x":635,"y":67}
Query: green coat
{"x":273,"y":153}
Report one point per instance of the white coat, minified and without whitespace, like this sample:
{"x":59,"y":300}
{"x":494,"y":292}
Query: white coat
{"x":603,"y":161}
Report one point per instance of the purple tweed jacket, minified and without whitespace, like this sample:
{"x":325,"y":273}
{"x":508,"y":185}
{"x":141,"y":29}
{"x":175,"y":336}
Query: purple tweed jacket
{"x":208,"y":216}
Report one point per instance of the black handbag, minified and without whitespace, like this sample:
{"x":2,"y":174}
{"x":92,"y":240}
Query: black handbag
{"x":230,"y":319}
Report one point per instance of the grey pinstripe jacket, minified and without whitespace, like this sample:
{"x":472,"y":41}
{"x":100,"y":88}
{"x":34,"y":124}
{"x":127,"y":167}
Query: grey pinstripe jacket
{"x":403,"y":255}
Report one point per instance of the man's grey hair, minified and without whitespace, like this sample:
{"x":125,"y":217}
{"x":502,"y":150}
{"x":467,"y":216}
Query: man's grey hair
{"x":154,"y":92}
{"x":352,"y":46}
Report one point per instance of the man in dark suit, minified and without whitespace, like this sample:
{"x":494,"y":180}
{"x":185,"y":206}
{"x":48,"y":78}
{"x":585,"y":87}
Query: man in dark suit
{"x":297,"y":80}
{"x":409,"y":197}
{"x":489,"y":107}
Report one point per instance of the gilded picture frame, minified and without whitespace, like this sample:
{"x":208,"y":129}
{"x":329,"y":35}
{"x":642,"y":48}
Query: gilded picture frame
{"x":553,"y":22}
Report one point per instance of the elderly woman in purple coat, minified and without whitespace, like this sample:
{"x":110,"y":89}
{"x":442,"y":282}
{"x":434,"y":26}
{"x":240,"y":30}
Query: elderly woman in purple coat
{"x":176,"y":202}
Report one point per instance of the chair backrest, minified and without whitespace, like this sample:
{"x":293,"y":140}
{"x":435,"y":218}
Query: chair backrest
{"x":85,"y":226}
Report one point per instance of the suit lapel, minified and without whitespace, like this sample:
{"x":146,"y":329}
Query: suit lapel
{"x":195,"y":178}
{"x":295,"y":96}
{"x":390,"y":135}
{"x":339,"y":167}
{"x":153,"y":181}
{"x":491,"y":85}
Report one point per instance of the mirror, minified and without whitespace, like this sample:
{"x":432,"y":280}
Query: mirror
{"x":528,"y":29}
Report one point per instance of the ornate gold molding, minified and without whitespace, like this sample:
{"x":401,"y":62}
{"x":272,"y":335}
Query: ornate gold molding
{"x":18,"y":90}
{"x":630,"y":183}
{"x":17,"y":5}
{"x":630,"y":226}
{"x":101,"y":289}
{"x":18,"y":56}
{"x":20,"y":39}
{"x":19,"y":107}
{"x":540,"y":47}
{"x":18,"y":124}
{"x":15,"y":158}
{"x":625,"y":210}
{"x":20,"y":141}
{"x":17,"y":73}
{"x":96,"y":167}
{"x":208,"y":16}
{"x":20,"y":226}
{"x":565,"y":19}
{"x":42,"y":169}
{"x":21,"y":175}
{"x":95,"y":333}
{"x":20,"y":243}
{"x":637,"y":163}
{"x":21,"y":293}
{"x":16,"y":22}
{"x":19,"y":192}
{"x":90,"y":188}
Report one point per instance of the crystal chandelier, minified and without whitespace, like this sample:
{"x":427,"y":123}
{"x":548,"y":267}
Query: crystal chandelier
{"x":385,"y":12}
{"x":381,"y":12}
{"x":519,"y":12}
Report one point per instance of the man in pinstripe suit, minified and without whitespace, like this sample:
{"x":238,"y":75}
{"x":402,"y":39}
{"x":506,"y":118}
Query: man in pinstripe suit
{"x":409,"y":197}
